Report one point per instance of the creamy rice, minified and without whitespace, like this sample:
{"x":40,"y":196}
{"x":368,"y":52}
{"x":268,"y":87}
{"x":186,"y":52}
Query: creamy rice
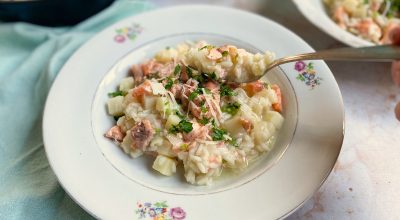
{"x":179,"y":108}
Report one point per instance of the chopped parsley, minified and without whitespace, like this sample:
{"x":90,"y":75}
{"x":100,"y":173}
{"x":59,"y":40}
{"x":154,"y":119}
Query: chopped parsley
{"x":205,"y":77}
{"x":117,"y":93}
{"x":197,"y":92}
{"x":203,"y":109}
{"x":203,"y":106}
{"x":169,"y":83}
{"x":234,"y":142}
{"x":213,"y":123}
{"x":167,"y":47}
{"x":226,"y":90}
{"x":204,"y":121}
{"x":189,"y":71}
{"x":182,"y":126}
{"x":209,"y":47}
{"x":209,"y":76}
{"x":174,"y":129}
{"x":218,"y":134}
{"x":193,"y":95}
{"x":203,"y":47}
{"x":200,"y":90}
{"x":231,"y":108}
{"x":225,"y":53}
{"x":177,"y":69}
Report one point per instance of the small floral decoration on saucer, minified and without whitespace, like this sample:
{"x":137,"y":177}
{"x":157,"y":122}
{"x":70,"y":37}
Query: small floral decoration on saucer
{"x":127,"y":33}
{"x":159,"y":211}
{"x":307,"y":74}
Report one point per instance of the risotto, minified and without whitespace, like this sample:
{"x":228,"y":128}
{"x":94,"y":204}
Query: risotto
{"x":373,"y":20}
{"x":178,"y":108}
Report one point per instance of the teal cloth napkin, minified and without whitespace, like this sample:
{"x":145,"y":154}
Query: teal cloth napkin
{"x":30,"y":58}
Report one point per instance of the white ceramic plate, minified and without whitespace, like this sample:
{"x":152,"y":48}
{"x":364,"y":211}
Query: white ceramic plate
{"x":315,"y":12}
{"x":110,"y":185}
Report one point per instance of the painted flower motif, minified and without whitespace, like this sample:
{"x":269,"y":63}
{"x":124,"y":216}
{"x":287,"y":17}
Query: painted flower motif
{"x":119,"y":38}
{"x":159,"y":217}
{"x":159,"y":211}
{"x":127,"y":33}
{"x":177,"y":213}
{"x":299,"y":66}
{"x":152,"y":212}
{"x":307,"y":74}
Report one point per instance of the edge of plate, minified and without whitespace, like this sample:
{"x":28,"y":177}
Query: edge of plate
{"x":44,"y":120}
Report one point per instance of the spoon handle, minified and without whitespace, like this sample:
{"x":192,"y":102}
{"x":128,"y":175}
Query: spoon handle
{"x":385,"y":53}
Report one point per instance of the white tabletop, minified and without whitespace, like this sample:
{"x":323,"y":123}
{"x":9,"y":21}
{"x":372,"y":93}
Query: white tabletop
{"x":365,"y":183}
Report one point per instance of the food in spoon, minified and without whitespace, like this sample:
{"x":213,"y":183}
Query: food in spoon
{"x":372,"y":20}
{"x":179,"y":108}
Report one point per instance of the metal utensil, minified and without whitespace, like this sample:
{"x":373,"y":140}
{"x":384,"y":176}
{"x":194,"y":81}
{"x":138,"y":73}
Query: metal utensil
{"x":384,"y":53}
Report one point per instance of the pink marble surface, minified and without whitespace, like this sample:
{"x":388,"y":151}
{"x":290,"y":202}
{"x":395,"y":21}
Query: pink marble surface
{"x":365,"y":183}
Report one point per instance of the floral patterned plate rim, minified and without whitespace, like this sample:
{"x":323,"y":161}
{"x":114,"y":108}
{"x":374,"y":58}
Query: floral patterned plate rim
{"x":97,"y":176}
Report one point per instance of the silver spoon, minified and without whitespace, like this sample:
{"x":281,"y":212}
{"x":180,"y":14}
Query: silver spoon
{"x":384,"y":53}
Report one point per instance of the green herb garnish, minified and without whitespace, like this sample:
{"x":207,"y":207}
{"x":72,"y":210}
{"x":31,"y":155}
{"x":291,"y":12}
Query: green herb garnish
{"x":203,"y":47}
{"x":182,"y":126}
{"x":205,"y":77}
{"x":234,"y":142}
{"x":209,"y":47}
{"x":204,"y":121}
{"x":226,"y":90}
{"x":197,"y":92}
{"x":225,"y":53}
{"x":203,"y":109}
{"x":203,"y":106}
{"x":174,"y":129}
{"x":169,"y":83}
{"x":117,"y":93}
{"x":189,"y":71}
{"x":198,"y":78}
{"x":177,"y":69}
{"x":193,"y":95}
{"x":231,"y":108}
{"x":213,"y":76}
{"x":218,"y":134}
